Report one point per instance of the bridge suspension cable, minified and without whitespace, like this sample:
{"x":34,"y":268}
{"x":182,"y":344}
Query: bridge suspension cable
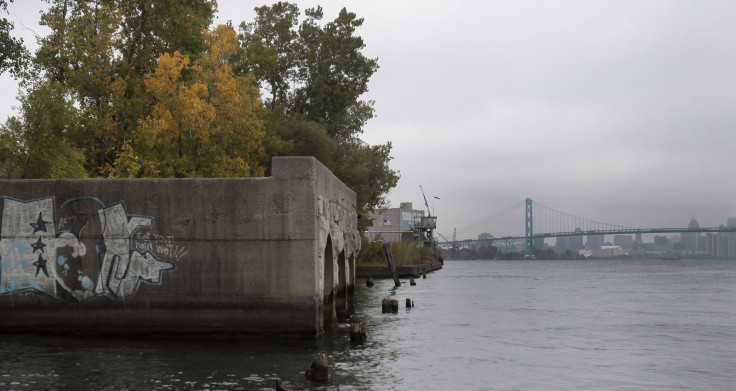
{"x":489,"y":218}
{"x":549,"y":220}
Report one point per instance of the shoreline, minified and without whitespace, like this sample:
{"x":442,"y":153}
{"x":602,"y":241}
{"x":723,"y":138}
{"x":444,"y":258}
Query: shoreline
{"x":411,"y":271}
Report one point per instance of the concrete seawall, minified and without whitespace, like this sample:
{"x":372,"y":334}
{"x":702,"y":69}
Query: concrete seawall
{"x":253,"y":256}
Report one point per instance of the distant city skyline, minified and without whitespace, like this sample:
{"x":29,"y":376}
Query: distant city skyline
{"x":647,"y":237}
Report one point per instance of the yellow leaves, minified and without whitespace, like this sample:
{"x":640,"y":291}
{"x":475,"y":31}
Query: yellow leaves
{"x":181,"y":107}
{"x":167,"y":74}
{"x":126,"y":165}
{"x":205,"y":119}
{"x":223,"y":43}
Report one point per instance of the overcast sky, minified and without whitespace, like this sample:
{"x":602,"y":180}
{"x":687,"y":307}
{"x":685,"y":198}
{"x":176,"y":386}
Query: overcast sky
{"x":616,"y":111}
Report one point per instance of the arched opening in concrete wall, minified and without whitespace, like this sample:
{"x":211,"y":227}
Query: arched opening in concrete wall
{"x":341,"y":304}
{"x":351,"y":298}
{"x":328,"y":301}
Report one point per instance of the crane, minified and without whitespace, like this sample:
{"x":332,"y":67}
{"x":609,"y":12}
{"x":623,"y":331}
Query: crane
{"x":429,"y":214}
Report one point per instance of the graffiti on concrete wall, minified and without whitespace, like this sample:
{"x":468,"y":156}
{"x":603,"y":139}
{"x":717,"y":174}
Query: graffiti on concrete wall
{"x":165,"y":246}
{"x":93,"y":256}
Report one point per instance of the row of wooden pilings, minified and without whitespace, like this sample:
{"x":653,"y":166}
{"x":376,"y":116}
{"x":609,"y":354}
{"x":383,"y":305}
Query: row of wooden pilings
{"x":318,"y":371}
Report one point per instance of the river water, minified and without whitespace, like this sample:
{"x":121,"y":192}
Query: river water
{"x":476,"y":325}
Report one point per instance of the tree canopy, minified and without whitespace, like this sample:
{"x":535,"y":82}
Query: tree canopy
{"x":150,"y":88}
{"x":314,"y":75}
{"x":13,"y":54}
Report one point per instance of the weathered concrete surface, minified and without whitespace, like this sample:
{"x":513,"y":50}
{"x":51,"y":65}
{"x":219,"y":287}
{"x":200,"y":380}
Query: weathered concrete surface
{"x":254,"y":256}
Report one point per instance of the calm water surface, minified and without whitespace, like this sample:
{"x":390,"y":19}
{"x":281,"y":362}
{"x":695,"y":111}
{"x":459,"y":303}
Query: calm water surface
{"x":476,"y":325}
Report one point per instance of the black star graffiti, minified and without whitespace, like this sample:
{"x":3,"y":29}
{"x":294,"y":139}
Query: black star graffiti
{"x":39,"y":245}
{"x":41,"y":265}
{"x":39,"y":225}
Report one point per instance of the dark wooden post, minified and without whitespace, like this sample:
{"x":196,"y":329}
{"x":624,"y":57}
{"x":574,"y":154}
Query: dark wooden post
{"x":357,"y":335}
{"x":385,"y":306}
{"x":318,"y":371}
{"x":391,"y":264}
{"x":394,"y":306}
{"x":369,"y":281}
{"x":412,"y":282}
{"x":280,"y":386}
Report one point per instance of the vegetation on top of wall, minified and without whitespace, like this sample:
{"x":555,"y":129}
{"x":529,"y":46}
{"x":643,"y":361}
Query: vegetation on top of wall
{"x":371,"y":254}
{"x":131,"y":88}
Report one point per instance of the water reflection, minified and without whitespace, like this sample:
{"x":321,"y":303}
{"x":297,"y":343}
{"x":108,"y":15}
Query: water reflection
{"x":41,"y":362}
{"x":542,"y":325}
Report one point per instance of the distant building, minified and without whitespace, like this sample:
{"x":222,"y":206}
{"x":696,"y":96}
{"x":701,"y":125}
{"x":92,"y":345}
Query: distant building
{"x":539,"y":244}
{"x":690,"y":240}
{"x":396,"y":224}
{"x":722,"y":244}
{"x":573,"y":243}
{"x":731,"y":222}
{"x":561,"y":244}
{"x":661,"y":240}
{"x":403,"y":224}
{"x":605,"y":252}
{"x":594,"y":242}
{"x":623,"y":241}
{"x":485,"y":236}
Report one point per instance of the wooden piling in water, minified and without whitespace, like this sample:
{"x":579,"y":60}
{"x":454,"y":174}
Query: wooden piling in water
{"x":318,"y":371}
{"x":394,"y":306}
{"x":357,"y":334}
{"x":385,"y":306}
{"x":280,"y":385}
{"x":391,"y":264}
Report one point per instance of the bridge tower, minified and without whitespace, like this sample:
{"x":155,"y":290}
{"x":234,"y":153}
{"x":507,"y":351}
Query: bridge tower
{"x":529,"y":230}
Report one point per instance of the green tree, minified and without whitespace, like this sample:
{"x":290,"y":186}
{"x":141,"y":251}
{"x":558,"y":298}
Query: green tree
{"x":36,"y":145}
{"x":270,"y":49}
{"x":145,"y":88}
{"x":101,"y":50}
{"x":315,"y":76}
{"x":11,"y":155}
{"x":364,"y":168}
{"x":312,"y":72}
{"x":150,"y":28}
{"x":333,"y":73}
{"x":13,"y":54}
{"x":83,"y":54}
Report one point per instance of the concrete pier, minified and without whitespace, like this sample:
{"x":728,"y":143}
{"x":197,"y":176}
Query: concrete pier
{"x":254,"y":256}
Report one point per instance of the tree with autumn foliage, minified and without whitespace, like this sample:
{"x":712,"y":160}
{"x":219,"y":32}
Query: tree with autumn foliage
{"x":147,"y":88}
{"x":100,"y":51}
{"x":202,"y":125}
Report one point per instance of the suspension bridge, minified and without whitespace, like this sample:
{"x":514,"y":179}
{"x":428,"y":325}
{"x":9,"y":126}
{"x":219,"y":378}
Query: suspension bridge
{"x":544,"y":222}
